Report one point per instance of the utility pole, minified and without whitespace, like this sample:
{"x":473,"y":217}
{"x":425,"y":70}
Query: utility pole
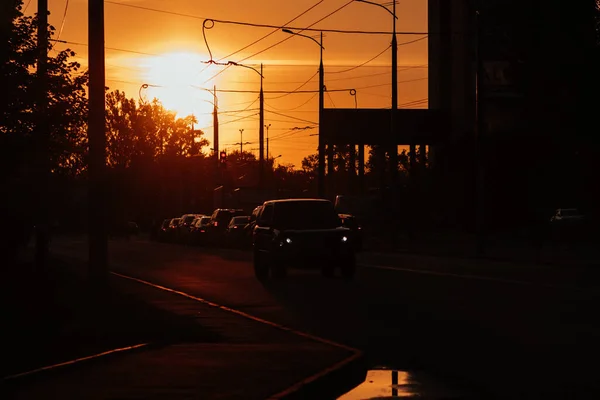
{"x":98,"y":240}
{"x":42,"y":141}
{"x":480,"y":143}
{"x":394,"y":146}
{"x":261,"y":133}
{"x":215,"y":126}
{"x":321,"y":165}
{"x":267,"y":126}
{"x":241,"y":142}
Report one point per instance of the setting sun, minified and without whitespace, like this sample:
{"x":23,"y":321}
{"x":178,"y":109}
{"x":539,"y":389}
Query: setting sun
{"x":172,"y":78}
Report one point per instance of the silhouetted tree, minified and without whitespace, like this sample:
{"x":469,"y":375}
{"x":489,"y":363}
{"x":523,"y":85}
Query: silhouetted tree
{"x":67,"y":104}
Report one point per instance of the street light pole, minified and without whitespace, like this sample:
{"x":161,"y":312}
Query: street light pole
{"x":241,"y":142}
{"x":267,"y":126}
{"x":215,"y":126}
{"x":394,"y":146}
{"x":321,"y":165}
{"x":98,"y":236}
{"x":261,"y":133}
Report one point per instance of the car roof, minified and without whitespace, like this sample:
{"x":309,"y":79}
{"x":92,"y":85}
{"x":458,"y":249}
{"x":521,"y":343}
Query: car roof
{"x":297,"y":201}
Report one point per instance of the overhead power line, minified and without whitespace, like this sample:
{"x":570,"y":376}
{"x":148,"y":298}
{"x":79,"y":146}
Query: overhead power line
{"x":300,"y":30}
{"x":255,"y":25}
{"x":277,"y":29}
{"x":294,"y":118}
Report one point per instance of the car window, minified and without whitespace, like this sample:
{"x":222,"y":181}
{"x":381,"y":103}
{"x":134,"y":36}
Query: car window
{"x":240,"y":220}
{"x":306,"y":215}
{"x":266,"y":215}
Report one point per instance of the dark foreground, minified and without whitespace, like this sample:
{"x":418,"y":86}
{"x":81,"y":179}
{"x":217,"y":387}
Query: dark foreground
{"x":488,"y":330}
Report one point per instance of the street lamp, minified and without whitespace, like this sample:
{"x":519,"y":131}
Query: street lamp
{"x":321,"y":164}
{"x":209,"y":24}
{"x":393,"y":148}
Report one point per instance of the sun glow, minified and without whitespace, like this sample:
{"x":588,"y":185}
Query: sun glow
{"x":172,"y":78}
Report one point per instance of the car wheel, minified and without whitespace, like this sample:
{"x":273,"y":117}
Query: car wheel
{"x":261,"y":268}
{"x":349,"y":268}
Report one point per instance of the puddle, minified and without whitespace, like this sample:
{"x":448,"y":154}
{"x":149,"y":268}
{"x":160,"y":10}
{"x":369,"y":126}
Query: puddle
{"x":382,"y":383}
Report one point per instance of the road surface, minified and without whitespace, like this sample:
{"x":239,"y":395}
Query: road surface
{"x":508,"y":331}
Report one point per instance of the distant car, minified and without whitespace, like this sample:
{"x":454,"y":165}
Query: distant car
{"x":302,"y":233}
{"x":164,"y":229}
{"x":237,"y":224}
{"x":172,"y":229}
{"x":198,"y":231}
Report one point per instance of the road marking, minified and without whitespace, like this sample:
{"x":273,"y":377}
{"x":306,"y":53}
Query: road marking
{"x":71,"y":362}
{"x":356,"y":354}
{"x":473,"y":277}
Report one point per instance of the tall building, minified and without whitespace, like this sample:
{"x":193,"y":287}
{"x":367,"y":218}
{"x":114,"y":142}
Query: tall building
{"x":536,"y":68}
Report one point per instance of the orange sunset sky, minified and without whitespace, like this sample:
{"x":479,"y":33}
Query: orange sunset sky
{"x":168,"y":51}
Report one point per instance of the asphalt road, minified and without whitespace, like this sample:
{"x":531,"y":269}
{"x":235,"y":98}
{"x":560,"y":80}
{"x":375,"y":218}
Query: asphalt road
{"x":506,"y":331}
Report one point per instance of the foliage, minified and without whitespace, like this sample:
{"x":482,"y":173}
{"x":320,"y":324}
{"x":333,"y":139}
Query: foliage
{"x":147,"y":131}
{"x":20,"y":120}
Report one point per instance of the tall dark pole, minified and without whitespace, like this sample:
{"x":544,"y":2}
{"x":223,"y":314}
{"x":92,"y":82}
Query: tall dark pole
{"x":241,"y":142}
{"x":98,"y":241}
{"x":261,"y":133}
{"x":480,"y":143}
{"x":393,"y":149}
{"x":215,"y":126}
{"x":267,"y":126}
{"x":321,"y":166}
{"x":42,"y":140}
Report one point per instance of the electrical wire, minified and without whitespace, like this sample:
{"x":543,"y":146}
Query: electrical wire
{"x":232,"y":121}
{"x":64,"y":18}
{"x":294,"y":118}
{"x":330,"y":99}
{"x":274,"y":31}
{"x":360,"y":65}
{"x":297,"y":107}
{"x":298,"y":88}
{"x":27,"y":6}
{"x":309,"y":28}
{"x":301,"y":30}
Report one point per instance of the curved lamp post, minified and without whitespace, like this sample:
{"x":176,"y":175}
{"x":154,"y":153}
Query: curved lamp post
{"x":321,"y":164}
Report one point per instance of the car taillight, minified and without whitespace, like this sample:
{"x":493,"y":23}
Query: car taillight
{"x":216,"y":223}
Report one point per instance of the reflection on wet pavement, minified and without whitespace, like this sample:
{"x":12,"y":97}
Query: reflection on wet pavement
{"x":388,"y":384}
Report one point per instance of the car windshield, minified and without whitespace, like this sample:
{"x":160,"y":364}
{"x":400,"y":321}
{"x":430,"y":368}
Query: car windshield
{"x":204,"y":220}
{"x":189,"y":219}
{"x":305,"y":215}
{"x":241,"y":220}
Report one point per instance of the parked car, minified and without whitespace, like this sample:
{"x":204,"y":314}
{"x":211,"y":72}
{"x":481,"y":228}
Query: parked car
{"x":185,"y":226}
{"x":302,"y":233}
{"x":163,"y":230}
{"x":173,"y":229}
{"x":235,"y":230}
{"x":199,"y":230}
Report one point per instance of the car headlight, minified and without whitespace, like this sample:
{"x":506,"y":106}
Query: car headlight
{"x":344,"y":239}
{"x":285,"y":241}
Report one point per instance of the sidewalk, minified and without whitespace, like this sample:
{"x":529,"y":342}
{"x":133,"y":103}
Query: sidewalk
{"x":201,"y":352}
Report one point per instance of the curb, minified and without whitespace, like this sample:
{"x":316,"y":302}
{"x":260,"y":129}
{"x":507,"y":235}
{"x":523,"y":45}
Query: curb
{"x":26,"y":376}
{"x":329,"y":383}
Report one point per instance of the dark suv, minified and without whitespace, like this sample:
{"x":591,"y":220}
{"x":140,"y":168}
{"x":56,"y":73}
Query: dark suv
{"x":302,"y":233}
